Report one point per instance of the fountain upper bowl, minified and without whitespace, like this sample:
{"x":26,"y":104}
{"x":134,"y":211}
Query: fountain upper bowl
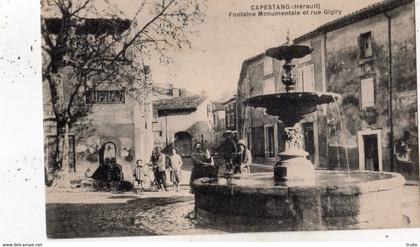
{"x":291,"y":107}
{"x":288,"y":52}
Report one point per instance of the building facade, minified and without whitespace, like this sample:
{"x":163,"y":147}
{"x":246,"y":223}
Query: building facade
{"x":219,"y":122}
{"x":259,"y":75}
{"x":117,"y":121}
{"x":181,"y":120}
{"x":369,"y":58}
{"x":230,"y":114}
{"x":262,"y":75}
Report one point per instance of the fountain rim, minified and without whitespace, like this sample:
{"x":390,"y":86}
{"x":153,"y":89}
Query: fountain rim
{"x":395,"y":180}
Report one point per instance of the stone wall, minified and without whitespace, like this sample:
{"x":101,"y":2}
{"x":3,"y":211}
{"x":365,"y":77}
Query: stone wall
{"x":199,"y":124}
{"x":345,"y":69}
{"x":128,"y":125}
{"x":252,"y":121}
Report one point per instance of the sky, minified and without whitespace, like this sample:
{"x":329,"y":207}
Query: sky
{"x":213,"y":63}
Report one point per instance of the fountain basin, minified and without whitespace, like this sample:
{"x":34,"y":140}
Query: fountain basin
{"x":336,"y":200}
{"x":293,"y":106}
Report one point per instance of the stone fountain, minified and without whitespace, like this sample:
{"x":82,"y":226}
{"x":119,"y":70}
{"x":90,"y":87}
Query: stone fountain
{"x":298,"y":197}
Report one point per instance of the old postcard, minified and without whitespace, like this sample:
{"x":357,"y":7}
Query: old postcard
{"x":176,"y":117}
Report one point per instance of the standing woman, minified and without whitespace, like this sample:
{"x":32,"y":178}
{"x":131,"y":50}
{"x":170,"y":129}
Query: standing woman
{"x":199,"y":164}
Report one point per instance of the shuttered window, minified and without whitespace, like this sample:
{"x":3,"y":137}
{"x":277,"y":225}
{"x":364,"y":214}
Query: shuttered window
{"x":368,"y":92}
{"x":268,"y":65}
{"x":365,"y":44}
{"x":306,"y":79}
{"x":269,"y":86}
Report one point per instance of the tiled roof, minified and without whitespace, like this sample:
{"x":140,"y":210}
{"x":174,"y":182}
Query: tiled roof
{"x":245,"y":65}
{"x":356,"y":16}
{"x":177,"y":104}
{"x":229,"y":100}
{"x":218,"y":106}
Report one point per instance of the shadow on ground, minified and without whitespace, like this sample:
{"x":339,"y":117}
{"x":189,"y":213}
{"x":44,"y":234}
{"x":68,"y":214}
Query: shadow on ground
{"x":101,"y":219}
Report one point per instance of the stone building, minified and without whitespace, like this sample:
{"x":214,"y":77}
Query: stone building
{"x":117,"y":120}
{"x":230,"y":114}
{"x":259,"y":75}
{"x":368,"y":57}
{"x":181,"y":120}
{"x":219,"y":122}
{"x":262,"y":75}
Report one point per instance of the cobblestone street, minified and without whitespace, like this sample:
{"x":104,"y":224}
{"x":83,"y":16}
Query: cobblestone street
{"x":99,"y":214}
{"x":94,"y":214}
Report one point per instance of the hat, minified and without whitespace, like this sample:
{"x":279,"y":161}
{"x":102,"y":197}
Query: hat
{"x":228,"y":133}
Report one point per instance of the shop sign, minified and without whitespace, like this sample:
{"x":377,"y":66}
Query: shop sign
{"x":105,"y":97}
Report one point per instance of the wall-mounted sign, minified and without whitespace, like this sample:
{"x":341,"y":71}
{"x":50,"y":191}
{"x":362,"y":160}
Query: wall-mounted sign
{"x":405,"y":99}
{"x":105,"y":97}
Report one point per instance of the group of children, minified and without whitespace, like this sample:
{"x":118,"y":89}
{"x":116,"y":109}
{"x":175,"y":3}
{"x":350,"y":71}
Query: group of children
{"x":142,"y":171}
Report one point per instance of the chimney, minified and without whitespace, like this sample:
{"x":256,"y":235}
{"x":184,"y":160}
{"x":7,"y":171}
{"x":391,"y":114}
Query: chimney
{"x":174,"y":92}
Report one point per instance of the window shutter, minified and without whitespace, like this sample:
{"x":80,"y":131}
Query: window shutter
{"x":368,"y":45}
{"x":360,"y":42}
{"x":368,"y":92}
{"x":307,"y":78}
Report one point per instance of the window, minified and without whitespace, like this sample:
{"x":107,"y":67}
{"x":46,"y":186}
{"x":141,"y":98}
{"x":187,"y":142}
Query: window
{"x":368,"y":92}
{"x":269,"y":86}
{"x":365,"y":44}
{"x":268,"y":65}
{"x":306,"y":78}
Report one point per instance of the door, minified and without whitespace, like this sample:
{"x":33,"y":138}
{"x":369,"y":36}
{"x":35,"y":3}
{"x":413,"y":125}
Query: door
{"x":308,"y":138}
{"x":183,"y":142}
{"x":270,"y":142}
{"x":371,"y":152}
{"x":257,"y":136}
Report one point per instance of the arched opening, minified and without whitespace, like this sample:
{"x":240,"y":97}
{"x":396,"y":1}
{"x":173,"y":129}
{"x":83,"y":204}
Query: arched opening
{"x":108,"y":151}
{"x":183,"y":142}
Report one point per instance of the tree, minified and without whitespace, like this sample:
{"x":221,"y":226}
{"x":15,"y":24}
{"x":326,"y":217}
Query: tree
{"x":86,"y":43}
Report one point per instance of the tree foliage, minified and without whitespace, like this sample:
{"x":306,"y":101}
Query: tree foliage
{"x":88,"y":43}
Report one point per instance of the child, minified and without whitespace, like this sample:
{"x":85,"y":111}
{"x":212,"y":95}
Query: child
{"x":176,"y":164}
{"x":139,"y":174}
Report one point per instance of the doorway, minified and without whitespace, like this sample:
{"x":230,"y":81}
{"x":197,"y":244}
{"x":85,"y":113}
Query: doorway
{"x":270,"y":142}
{"x":308,"y":138}
{"x":183,"y":142}
{"x":370,"y":151}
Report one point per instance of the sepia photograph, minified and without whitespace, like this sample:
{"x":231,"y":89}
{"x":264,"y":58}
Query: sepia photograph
{"x":195,"y":117}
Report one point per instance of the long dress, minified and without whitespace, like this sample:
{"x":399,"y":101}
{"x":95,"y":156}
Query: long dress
{"x":198,"y":170}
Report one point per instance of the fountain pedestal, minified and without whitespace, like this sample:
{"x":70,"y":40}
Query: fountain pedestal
{"x":293,"y":164}
{"x":299,"y":198}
